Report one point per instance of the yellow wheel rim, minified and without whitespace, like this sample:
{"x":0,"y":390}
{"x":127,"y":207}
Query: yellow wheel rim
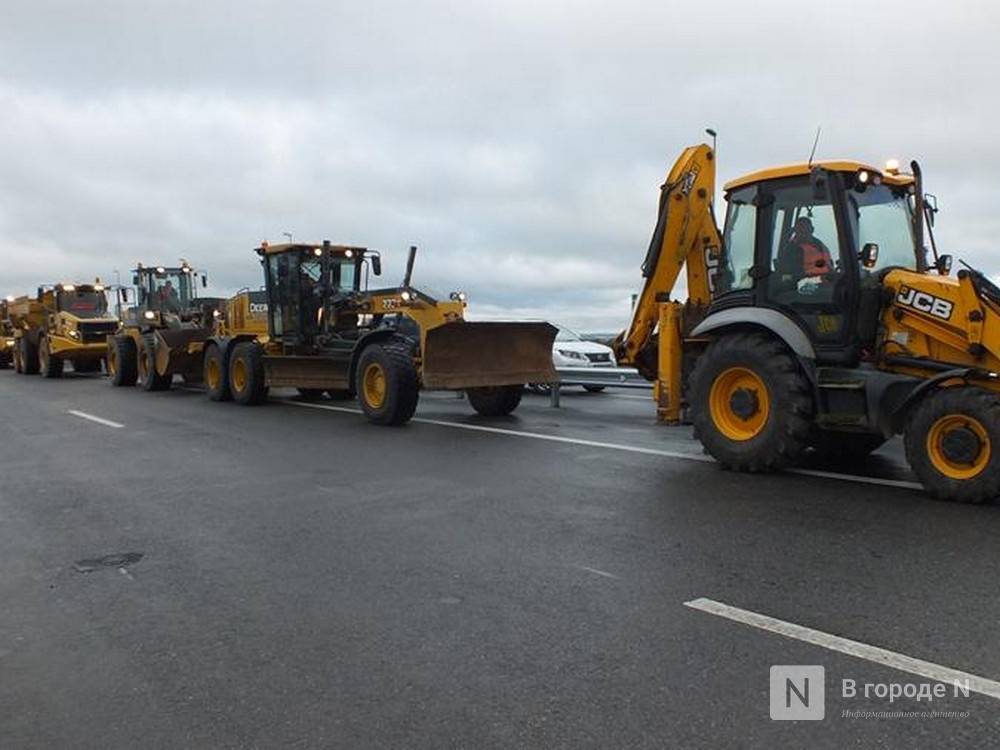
{"x":373,"y":385}
{"x":739,"y":403}
{"x":958,"y":446}
{"x":239,"y":375}
{"x":212,"y":373}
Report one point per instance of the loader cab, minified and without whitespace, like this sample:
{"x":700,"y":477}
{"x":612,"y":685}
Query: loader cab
{"x":166,"y":290}
{"x":813,"y":242}
{"x":306,"y":284}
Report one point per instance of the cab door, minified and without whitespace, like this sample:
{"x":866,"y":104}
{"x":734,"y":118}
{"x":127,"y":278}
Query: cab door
{"x":805,"y":267}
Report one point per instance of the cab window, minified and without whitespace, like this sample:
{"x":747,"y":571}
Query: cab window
{"x":738,"y":241}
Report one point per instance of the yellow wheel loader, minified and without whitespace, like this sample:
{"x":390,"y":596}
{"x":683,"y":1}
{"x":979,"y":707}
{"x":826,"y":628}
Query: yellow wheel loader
{"x":62,"y":323}
{"x":164,"y":331}
{"x":816,"y":322}
{"x":328,"y":333}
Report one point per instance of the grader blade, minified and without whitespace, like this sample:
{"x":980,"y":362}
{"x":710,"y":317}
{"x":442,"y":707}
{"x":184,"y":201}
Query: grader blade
{"x":470,"y":355}
{"x":178,"y":350}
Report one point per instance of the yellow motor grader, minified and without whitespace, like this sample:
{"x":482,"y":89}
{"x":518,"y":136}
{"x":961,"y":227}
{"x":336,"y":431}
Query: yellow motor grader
{"x":328,"y":333}
{"x":62,"y":323}
{"x":164,"y":331}
{"x":819,"y":320}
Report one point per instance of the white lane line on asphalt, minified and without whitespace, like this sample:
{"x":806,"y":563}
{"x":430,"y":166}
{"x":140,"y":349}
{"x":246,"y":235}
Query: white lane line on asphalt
{"x":92,"y":418}
{"x":882,"y":656}
{"x":595,"y":571}
{"x":621,"y":447}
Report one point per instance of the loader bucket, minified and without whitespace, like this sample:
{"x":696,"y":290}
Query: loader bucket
{"x":469,"y":355}
{"x":178,"y":350}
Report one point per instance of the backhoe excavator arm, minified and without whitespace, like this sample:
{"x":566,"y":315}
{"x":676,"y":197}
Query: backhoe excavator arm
{"x":685,"y":234}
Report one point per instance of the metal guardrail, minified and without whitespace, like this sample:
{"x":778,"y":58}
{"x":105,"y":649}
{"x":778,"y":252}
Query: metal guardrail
{"x":607,"y":377}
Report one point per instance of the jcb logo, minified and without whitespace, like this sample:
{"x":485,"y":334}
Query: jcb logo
{"x":924,"y":302}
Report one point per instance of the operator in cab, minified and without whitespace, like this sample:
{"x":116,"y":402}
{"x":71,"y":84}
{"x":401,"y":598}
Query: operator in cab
{"x":805,"y":255}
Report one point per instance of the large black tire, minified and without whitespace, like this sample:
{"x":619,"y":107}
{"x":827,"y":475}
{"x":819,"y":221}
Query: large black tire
{"x":952,"y":442}
{"x":844,"y":448}
{"x":760,"y":418}
{"x":18,"y":367}
{"x":48,"y":365}
{"x":29,"y":357}
{"x":593,"y":388}
{"x":215,"y":374}
{"x":246,"y":374}
{"x":386,"y":382}
{"x":149,"y":378}
{"x":495,"y":401}
{"x":122,"y":361}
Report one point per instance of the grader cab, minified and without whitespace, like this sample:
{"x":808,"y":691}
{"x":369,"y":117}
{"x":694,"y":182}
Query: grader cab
{"x":328,"y":333}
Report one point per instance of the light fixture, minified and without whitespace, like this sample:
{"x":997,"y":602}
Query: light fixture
{"x":892,"y":166}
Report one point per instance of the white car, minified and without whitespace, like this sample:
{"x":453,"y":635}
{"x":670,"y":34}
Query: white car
{"x":570,"y":350}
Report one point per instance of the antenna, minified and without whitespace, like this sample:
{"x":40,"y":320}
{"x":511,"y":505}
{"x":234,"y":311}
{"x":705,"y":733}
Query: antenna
{"x":712,"y":133}
{"x":812,"y":153}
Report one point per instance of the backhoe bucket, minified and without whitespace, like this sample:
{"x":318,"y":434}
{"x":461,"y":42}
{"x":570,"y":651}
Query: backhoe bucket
{"x":469,"y":355}
{"x":178,"y":350}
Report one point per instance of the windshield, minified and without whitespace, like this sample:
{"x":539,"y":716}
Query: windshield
{"x":883,"y":215}
{"x":82,"y":304}
{"x":567,"y":335}
{"x":169,"y":292}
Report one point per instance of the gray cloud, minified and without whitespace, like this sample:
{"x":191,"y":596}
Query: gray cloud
{"x":519,"y":144}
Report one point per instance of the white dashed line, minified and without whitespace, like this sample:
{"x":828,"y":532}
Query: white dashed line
{"x":877,"y":481}
{"x":875,"y":654}
{"x":92,"y":418}
{"x":595,"y":571}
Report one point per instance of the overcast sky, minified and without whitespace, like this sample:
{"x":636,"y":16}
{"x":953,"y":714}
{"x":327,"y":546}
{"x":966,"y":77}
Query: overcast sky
{"x":519,"y":144}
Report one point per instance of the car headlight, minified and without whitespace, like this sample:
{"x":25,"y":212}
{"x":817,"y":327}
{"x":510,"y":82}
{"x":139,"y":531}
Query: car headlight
{"x":570,"y":354}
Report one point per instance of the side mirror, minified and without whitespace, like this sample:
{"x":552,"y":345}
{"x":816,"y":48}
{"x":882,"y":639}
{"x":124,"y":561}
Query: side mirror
{"x":943,"y":265}
{"x":135,"y":280}
{"x":869,"y":255}
{"x":376,"y":265}
{"x":204,"y":280}
{"x":123,"y":295}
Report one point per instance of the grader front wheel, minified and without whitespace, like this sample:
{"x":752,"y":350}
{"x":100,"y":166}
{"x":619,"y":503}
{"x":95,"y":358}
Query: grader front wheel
{"x":751,"y":403}
{"x":952,"y":442}
{"x":386,"y":383}
{"x":246,"y":374}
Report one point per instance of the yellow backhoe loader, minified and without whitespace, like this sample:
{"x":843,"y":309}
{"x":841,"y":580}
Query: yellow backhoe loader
{"x":164,"y":329}
{"x":815,"y":320}
{"x":62,"y":323}
{"x":327,"y":332}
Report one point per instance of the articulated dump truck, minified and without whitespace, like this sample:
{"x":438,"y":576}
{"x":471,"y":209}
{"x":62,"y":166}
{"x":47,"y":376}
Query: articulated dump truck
{"x":327,"y":333}
{"x":6,"y":335}
{"x":62,"y":323}
{"x":165,"y":325}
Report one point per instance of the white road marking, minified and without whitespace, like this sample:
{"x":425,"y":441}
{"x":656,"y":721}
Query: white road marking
{"x":891,"y":659}
{"x":595,"y":571}
{"x":92,"y":418}
{"x":900,"y":483}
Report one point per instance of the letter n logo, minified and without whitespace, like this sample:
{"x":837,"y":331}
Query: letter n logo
{"x":798,"y":693}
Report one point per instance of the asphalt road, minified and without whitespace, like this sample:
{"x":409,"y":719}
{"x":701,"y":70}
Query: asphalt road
{"x":310,"y":580}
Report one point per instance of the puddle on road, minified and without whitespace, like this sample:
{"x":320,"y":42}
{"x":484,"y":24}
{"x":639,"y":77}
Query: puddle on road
{"x":116,"y":560}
